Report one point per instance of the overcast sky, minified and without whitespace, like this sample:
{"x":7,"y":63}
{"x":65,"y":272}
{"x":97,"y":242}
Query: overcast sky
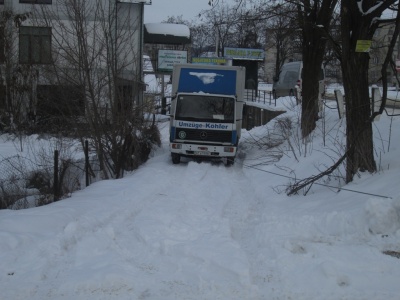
{"x":160,"y":10}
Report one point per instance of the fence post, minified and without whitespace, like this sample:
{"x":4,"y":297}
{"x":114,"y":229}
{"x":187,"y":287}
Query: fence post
{"x":87,"y":162}
{"x":56,"y":191}
{"x":250,"y":121}
{"x":261,"y":117}
{"x":339,"y":102}
{"x":164,"y":106}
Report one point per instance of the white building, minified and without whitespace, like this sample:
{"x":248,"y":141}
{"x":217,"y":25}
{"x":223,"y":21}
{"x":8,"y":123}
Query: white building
{"x":70,"y":54}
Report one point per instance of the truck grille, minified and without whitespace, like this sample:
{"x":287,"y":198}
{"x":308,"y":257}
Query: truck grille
{"x":204,"y":135}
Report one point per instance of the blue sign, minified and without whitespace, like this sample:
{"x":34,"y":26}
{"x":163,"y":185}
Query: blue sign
{"x":211,"y":81}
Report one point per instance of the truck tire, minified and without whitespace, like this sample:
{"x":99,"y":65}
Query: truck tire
{"x":176,"y":158}
{"x":230,"y":161}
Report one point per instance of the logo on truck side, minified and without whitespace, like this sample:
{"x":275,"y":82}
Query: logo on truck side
{"x":182,"y":135}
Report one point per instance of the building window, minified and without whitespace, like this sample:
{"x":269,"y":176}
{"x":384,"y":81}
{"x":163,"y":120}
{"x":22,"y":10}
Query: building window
{"x":124,"y":96}
{"x":60,"y":100}
{"x":34,"y":45}
{"x":35,"y":1}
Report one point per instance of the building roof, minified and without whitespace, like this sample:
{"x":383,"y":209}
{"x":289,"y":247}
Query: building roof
{"x":166,"y":33}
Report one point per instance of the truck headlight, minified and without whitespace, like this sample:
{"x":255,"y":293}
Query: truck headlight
{"x":229,"y":149}
{"x":176,"y":146}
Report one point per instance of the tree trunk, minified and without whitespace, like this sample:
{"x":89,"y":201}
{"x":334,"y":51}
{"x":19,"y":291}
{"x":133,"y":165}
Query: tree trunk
{"x":359,"y":140}
{"x":314,"y":18}
{"x":355,"y":79}
{"x":310,"y":92}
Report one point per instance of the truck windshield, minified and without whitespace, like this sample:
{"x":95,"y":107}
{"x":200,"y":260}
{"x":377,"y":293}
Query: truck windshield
{"x":205,"y":108}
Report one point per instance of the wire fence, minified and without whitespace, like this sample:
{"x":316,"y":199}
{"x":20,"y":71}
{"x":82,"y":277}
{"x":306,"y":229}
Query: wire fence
{"x":12,"y":181}
{"x":25,"y":183}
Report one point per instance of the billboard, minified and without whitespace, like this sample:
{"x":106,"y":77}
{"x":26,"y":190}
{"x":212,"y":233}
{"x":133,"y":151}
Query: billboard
{"x":167,"y":59}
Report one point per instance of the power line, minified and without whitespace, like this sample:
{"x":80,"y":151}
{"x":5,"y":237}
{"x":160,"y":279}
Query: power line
{"x":316,"y":183}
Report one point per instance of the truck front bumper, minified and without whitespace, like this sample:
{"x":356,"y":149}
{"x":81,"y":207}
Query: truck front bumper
{"x":197,"y":150}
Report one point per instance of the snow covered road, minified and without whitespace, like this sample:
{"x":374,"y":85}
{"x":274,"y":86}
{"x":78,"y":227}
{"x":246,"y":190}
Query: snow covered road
{"x":204,"y":231}
{"x":163,"y":232}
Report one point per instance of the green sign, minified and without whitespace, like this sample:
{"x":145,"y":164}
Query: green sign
{"x":363,"y":45}
{"x":244,"y":53}
{"x":209,"y":60}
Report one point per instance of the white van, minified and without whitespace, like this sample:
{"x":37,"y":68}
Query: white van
{"x":290,"y":76}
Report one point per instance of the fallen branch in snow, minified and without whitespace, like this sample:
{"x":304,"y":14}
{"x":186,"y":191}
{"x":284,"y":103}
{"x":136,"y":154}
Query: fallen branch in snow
{"x":293,"y":189}
{"x":392,"y":253}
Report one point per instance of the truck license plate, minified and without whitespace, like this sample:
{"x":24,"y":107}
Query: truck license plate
{"x":205,"y":153}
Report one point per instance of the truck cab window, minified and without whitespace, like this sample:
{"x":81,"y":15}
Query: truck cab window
{"x":216,"y":109}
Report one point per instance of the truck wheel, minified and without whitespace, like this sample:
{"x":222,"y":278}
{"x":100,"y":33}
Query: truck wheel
{"x":176,"y":158}
{"x":230,"y":161}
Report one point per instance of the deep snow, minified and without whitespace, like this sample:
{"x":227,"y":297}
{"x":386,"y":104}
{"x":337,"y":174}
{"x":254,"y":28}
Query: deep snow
{"x":207,"y":231}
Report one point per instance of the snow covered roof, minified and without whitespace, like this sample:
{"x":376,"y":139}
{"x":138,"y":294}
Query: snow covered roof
{"x":166,"y":33}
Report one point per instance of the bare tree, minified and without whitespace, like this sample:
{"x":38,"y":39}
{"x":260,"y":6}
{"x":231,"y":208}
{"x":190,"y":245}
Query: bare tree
{"x":331,"y":60}
{"x":95,"y":50}
{"x":15,"y":80}
{"x":359,"y":21}
{"x":224,"y":21}
{"x":314,"y":19}
{"x":282,"y":33}
{"x":202,"y":42}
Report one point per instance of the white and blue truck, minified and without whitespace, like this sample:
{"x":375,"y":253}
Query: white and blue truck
{"x":206,"y":111}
